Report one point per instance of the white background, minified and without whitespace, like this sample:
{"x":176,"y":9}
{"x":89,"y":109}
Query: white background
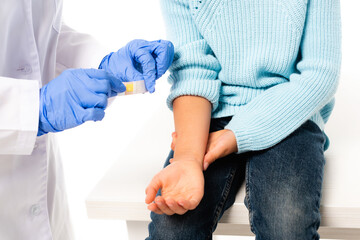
{"x":89,"y":150}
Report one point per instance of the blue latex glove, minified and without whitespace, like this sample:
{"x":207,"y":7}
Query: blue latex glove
{"x":76,"y":96}
{"x":140,"y":60}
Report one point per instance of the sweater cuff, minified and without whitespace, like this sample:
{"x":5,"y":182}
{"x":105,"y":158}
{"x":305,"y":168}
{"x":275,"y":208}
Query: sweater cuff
{"x":243,"y":140}
{"x":208,"y":89}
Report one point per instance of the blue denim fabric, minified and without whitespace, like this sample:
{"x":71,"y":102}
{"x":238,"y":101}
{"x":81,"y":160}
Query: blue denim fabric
{"x":283,"y":191}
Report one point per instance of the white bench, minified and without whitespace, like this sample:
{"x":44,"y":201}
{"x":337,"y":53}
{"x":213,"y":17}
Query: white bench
{"x":120,"y":194}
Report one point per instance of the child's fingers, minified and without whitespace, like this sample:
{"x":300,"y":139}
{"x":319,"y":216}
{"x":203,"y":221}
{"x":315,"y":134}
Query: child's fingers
{"x":205,"y":166}
{"x":188,"y":204}
{"x":212,"y":142}
{"x":152,"y":189}
{"x":193,"y":202}
{"x":221,"y":147}
{"x":153,"y":207}
{"x":150,"y":194}
{"x":176,"y":208}
{"x":209,"y":143}
{"x":161,"y":204}
{"x":185,"y":204}
{"x":210,"y":157}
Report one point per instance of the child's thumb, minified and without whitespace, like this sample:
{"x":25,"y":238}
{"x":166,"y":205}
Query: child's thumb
{"x":210,"y":157}
{"x":152,"y":190}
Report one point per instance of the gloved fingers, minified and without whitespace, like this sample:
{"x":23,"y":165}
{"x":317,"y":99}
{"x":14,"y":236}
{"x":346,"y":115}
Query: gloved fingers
{"x":96,"y":73}
{"x":113,"y":94}
{"x":148,"y":64}
{"x":93,"y":100}
{"x":132,"y":74}
{"x":164,"y":55}
{"x":105,"y":61}
{"x":99,"y":86}
{"x":94,"y":93}
{"x":93,"y":114}
{"x":104,"y":82}
{"x":116,"y":84}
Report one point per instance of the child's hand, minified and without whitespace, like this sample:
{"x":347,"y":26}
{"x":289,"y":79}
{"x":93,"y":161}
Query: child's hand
{"x":220,"y":144}
{"x":182,"y":188}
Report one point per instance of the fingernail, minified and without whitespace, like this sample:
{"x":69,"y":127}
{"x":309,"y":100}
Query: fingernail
{"x":206,"y":165}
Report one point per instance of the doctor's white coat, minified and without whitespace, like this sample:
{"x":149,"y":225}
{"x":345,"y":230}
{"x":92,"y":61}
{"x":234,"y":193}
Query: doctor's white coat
{"x":33,"y":45}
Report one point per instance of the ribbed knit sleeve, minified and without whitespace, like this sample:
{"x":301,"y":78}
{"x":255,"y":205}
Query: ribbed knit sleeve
{"x":277,"y":112}
{"x":195,"y":68}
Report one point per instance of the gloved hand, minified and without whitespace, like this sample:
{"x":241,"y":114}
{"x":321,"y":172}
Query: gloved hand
{"x":140,"y":60}
{"x":76,"y":96}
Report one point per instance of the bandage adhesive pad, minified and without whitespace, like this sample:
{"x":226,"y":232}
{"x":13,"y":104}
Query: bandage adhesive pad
{"x":134,"y":88}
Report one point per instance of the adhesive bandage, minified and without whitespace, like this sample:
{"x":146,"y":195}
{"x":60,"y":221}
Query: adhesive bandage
{"x":134,"y":88}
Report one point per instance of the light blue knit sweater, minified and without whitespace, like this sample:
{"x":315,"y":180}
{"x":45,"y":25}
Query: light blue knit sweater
{"x":271,"y":64}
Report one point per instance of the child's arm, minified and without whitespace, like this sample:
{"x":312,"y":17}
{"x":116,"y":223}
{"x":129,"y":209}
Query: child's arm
{"x":192,"y":122}
{"x":220,"y":144}
{"x":182,"y":182}
{"x":194,"y":72}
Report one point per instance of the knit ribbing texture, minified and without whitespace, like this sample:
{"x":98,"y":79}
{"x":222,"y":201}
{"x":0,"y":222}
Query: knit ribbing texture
{"x":271,"y":64}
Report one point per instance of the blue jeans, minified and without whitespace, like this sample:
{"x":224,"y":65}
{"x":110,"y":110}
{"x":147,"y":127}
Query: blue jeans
{"x":283,"y":191}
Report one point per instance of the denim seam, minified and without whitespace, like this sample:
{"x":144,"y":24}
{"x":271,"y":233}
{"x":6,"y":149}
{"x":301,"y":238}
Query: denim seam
{"x":247,"y":197}
{"x":221,"y":204}
{"x":318,"y":203}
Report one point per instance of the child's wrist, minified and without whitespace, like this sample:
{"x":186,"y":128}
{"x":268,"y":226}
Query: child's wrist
{"x":188,"y":156}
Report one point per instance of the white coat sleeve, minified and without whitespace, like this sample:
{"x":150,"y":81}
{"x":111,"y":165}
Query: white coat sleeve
{"x":77,"y":50}
{"x":19,"y":115}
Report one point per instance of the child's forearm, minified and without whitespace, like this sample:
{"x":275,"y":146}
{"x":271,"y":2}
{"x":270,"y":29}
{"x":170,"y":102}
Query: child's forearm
{"x":192,"y":116}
